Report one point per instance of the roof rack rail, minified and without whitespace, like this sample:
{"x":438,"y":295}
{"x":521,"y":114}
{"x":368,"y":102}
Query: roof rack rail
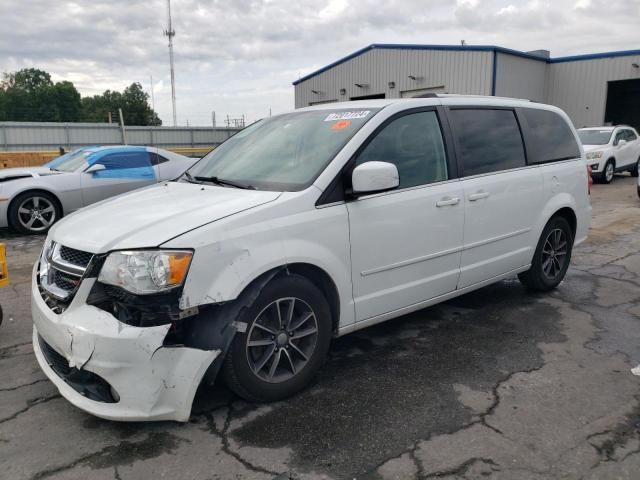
{"x":426,"y":95}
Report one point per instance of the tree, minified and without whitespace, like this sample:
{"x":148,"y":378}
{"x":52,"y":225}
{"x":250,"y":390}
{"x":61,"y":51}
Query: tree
{"x":30,"y":95}
{"x":67,"y":101}
{"x":134,"y":102}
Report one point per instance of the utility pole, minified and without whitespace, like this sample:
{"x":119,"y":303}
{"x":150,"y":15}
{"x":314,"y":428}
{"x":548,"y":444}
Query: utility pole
{"x":153,"y":100}
{"x":213,"y":119}
{"x":122,"y":127}
{"x":170,"y":33}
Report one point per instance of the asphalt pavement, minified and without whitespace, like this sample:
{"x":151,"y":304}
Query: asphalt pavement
{"x":500,"y":383}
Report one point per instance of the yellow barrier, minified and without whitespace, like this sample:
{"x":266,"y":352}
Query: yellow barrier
{"x":4,"y":270}
{"x":35,"y":159}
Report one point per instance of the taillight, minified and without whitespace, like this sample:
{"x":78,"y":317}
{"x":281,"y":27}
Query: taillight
{"x":589,"y":179}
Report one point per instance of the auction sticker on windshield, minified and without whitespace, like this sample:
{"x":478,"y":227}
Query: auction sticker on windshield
{"x":332,"y":117}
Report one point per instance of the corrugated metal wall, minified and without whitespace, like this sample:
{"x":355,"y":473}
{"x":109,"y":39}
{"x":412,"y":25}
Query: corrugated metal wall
{"x":458,"y":72}
{"x":15,"y":136}
{"x":519,"y":77}
{"x":580,"y":87}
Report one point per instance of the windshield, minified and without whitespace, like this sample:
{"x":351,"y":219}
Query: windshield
{"x":283,"y":153}
{"x":69,"y":162}
{"x":594,"y":137}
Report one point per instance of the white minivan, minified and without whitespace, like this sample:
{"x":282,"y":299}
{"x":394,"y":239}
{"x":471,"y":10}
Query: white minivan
{"x":300,"y":228}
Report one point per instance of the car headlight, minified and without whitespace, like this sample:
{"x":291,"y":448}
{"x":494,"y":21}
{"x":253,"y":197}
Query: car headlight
{"x":146,"y":271}
{"x":594,"y":155}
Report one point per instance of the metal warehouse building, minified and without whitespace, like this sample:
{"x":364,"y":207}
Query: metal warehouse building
{"x":593,"y":89}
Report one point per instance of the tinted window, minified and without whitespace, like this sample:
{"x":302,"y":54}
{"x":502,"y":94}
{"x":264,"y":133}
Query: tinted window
{"x":620,"y":135}
{"x":157,"y":159}
{"x":551,"y":137}
{"x":413,"y":143}
{"x":630,"y":136}
{"x":487,"y":140}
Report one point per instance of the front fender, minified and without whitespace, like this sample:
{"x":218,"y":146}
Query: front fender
{"x":66,"y":188}
{"x":221,"y":270}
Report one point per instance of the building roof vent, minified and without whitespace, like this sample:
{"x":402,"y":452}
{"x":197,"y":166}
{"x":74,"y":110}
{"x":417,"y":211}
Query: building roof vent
{"x":540,"y":53}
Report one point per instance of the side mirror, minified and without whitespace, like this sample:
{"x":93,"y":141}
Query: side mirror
{"x":96,"y":167}
{"x":622,"y":142}
{"x":372,"y":177}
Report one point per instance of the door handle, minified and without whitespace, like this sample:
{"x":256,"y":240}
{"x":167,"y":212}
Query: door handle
{"x":447,"y":201}
{"x":478,"y":196}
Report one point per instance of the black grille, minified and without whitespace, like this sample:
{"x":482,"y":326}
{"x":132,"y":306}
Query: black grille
{"x":57,"y":362}
{"x":64,"y":280}
{"x":76,"y":257}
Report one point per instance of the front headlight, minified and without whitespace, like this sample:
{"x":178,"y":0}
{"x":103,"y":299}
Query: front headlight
{"x":594,"y":155}
{"x":146,"y":271}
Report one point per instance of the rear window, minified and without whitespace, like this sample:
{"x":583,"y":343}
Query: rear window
{"x":487,"y":140}
{"x":551,"y":137}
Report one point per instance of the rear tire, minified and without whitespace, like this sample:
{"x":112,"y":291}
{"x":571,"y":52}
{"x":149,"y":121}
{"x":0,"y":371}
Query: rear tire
{"x":289,"y":329}
{"x":551,"y":258}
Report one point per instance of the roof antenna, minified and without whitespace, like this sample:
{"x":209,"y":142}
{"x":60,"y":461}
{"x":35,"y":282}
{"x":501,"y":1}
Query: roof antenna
{"x":463,"y":42}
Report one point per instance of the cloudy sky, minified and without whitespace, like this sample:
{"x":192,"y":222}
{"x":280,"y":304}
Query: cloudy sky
{"x":240,"y":56}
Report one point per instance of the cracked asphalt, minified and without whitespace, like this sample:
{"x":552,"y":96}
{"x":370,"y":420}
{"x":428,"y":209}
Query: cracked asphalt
{"x":499,"y":383}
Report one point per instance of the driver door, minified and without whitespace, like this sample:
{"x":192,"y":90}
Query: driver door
{"x":406,"y":243}
{"x":123,"y":171}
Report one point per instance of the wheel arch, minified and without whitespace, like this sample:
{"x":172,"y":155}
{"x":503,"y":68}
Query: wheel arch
{"x":316,"y":275}
{"x":570,"y":216}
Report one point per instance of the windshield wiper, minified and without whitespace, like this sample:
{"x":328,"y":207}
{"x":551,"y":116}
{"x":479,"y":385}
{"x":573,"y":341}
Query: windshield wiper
{"x":220,"y":181}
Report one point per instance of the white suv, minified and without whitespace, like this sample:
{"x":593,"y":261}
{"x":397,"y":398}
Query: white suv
{"x":610,"y":150}
{"x":300,"y":228}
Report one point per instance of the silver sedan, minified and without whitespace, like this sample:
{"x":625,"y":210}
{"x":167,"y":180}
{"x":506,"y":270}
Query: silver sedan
{"x":34,"y":198}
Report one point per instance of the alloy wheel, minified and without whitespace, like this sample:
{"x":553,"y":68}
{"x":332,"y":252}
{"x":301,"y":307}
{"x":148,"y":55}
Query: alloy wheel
{"x":36,"y":214}
{"x":554,"y":253}
{"x":609,"y":172}
{"x":282,"y":339}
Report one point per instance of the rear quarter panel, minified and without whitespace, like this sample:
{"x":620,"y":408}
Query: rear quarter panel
{"x":566,"y":185}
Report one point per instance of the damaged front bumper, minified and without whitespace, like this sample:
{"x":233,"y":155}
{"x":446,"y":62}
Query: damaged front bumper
{"x":113,"y":370}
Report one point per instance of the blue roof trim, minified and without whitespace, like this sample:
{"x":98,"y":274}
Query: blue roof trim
{"x":467,"y":48}
{"x":594,"y":56}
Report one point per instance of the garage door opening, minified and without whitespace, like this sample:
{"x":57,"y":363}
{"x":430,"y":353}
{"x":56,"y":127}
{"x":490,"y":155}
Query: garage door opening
{"x":623,"y":103}
{"x":375,"y":96}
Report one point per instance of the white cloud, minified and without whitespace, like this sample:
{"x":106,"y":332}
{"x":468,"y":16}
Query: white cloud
{"x":240,"y":57}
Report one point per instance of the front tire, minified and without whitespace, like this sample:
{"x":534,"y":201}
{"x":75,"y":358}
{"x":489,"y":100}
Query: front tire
{"x":608,"y":172}
{"x":34,"y":212}
{"x":551,"y":258}
{"x":288,"y":333}
{"x":634,"y":170}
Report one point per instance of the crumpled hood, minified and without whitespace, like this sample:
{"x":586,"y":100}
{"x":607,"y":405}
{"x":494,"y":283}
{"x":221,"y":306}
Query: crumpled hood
{"x":9,"y":173}
{"x":151,"y":216}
